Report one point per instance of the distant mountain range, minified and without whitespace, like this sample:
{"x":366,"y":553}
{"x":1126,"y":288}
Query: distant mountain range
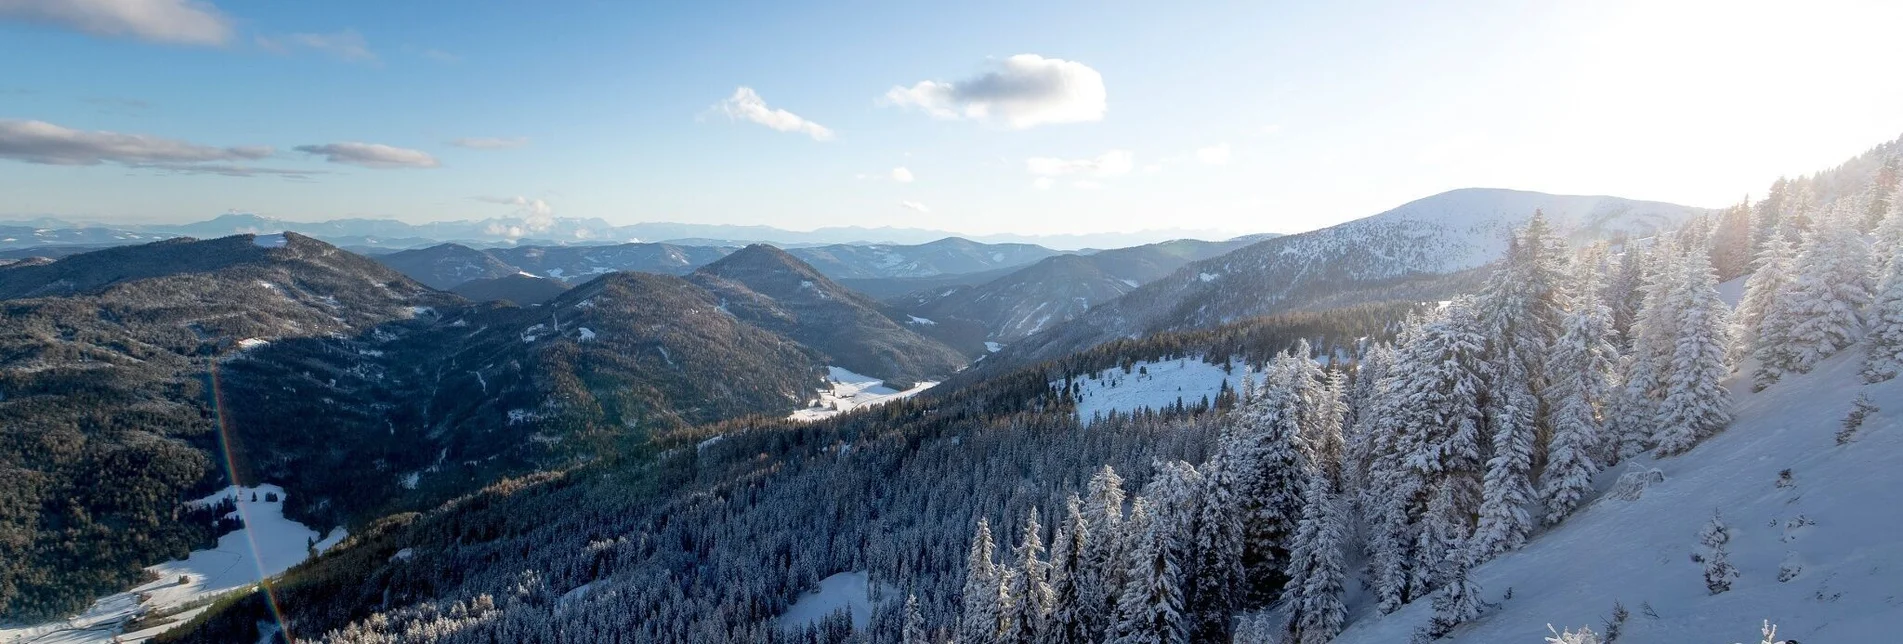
{"x":364,"y":234}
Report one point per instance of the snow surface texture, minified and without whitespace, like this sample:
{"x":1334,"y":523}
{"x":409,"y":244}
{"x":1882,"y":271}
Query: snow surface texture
{"x":269,"y":241}
{"x":847,"y":391}
{"x":1834,"y":527}
{"x":843,"y":590}
{"x":268,"y":544}
{"x":1187,"y":379}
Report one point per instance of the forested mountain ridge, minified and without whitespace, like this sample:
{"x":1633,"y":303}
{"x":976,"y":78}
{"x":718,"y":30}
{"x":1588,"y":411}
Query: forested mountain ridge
{"x":1435,"y":235}
{"x":105,"y":408}
{"x":774,"y":290}
{"x":1057,"y":289}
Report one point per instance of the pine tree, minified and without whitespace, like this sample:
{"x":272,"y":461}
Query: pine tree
{"x":1458,"y":603}
{"x":1824,"y":305}
{"x":1696,"y":404}
{"x":1151,"y":610}
{"x":1316,"y":571}
{"x":1731,"y":242}
{"x":1103,"y":559}
{"x":1885,"y":356}
{"x":1438,"y":435}
{"x":914,"y":630}
{"x":1368,"y":404}
{"x":1654,"y":329}
{"x":1068,"y":623}
{"x":1718,"y":570}
{"x":1030,"y":588}
{"x":1770,"y":281}
{"x":979,"y":621}
{"x":1504,"y":521}
{"x":1582,"y":371}
{"x":1269,"y":465}
{"x":1218,"y":579}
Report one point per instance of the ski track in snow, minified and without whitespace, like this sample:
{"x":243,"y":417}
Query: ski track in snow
{"x":849,"y":391}
{"x":269,"y":544}
{"x":1850,"y":587}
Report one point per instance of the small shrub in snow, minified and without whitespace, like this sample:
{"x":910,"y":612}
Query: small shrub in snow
{"x":1584,"y":636}
{"x":1789,"y":568}
{"x":1632,"y":485}
{"x":1862,"y":409}
{"x":1718,"y":570}
{"x":1784,"y":477}
{"x":1615,"y":623}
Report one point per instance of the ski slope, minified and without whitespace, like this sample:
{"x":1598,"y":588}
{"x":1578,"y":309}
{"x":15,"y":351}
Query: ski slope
{"x":1834,"y":527}
{"x":1151,"y":385}
{"x":847,"y":391}
{"x":269,"y":544}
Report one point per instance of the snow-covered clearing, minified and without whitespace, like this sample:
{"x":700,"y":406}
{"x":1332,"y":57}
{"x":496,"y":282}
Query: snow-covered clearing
{"x":848,"y":391}
{"x":269,"y":241}
{"x":1833,"y":527}
{"x":1732,"y":291}
{"x":920,"y":321}
{"x":844,"y":590}
{"x":1151,"y":385}
{"x":269,"y":544}
{"x":993,"y":347}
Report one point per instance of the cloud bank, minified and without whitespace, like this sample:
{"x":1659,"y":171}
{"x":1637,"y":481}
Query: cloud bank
{"x":745,"y":104}
{"x":175,"y":22}
{"x":371,"y":155}
{"x":1023,"y":91}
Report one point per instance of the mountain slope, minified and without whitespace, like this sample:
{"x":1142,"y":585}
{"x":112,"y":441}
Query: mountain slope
{"x":769,"y":288}
{"x":1058,"y":289}
{"x":1829,"y":530}
{"x":518,"y":288}
{"x":949,"y":256}
{"x":107,"y":409}
{"x":444,"y":266}
{"x":1437,"y":235}
{"x":577,"y":264}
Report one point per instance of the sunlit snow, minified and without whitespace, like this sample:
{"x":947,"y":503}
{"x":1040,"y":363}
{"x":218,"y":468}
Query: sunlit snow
{"x":1151,"y":385}
{"x":848,"y":391}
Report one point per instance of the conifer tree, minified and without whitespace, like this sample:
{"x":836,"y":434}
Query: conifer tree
{"x":1458,"y":603}
{"x":1696,"y":403}
{"x":1885,"y":352}
{"x":1316,"y":571}
{"x":914,"y":628}
{"x":1030,"y":588}
{"x":1716,"y":559}
{"x":1504,"y":521}
{"x":1770,"y":281}
{"x":1218,"y":579}
{"x":1654,"y":333}
{"x":1151,"y":610}
{"x":1822,"y":309}
{"x":1582,"y":378}
{"x":1068,"y":623}
{"x":979,"y":620}
{"x":1439,"y":435}
{"x":1102,"y":578}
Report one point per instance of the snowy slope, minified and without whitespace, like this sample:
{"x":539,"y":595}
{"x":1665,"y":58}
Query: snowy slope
{"x":1836,"y":526}
{"x":268,"y":544}
{"x":847,"y":391}
{"x":849,"y":590}
{"x":1189,"y":380}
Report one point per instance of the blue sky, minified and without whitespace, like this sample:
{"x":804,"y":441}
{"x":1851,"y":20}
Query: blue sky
{"x":1240,"y":117}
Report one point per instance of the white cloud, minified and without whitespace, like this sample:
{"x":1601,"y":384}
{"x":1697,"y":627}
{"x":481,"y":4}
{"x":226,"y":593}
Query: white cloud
{"x":1026,"y":90}
{"x":371,"y":155}
{"x":1044,"y":183}
{"x":901,"y":175}
{"x":747,"y":104}
{"x":42,"y":142}
{"x":536,"y":216}
{"x":1108,"y":164}
{"x":915,"y":206}
{"x":1213,"y":155}
{"x":346,"y":45}
{"x":1086,"y":184}
{"x":179,"y":22}
{"x":1269,"y":130}
{"x":490,"y":143}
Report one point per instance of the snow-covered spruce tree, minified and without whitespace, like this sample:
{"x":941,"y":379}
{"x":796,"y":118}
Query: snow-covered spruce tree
{"x":1439,"y":435}
{"x":1696,"y":404}
{"x":1635,"y":412}
{"x":1260,"y":628}
{"x":1583,"y":636}
{"x":914,"y":628}
{"x":1102,"y":576}
{"x":1504,"y":520}
{"x":1718,"y":570}
{"x":1824,"y":305}
{"x":1030,"y":588}
{"x":1068,"y":623}
{"x":1581,"y":367}
{"x":1885,"y":351}
{"x":1218,"y":574}
{"x":1368,"y":404}
{"x":1458,"y":603}
{"x":1151,"y":609}
{"x":1624,"y":292}
{"x":979,"y":620}
{"x":1269,"y":465}
{"x":1770,"y":281}
{"x":1317,"y":573}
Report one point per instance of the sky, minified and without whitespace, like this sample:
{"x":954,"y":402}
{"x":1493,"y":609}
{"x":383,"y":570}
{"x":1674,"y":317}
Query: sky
{"x":976,"y":117}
